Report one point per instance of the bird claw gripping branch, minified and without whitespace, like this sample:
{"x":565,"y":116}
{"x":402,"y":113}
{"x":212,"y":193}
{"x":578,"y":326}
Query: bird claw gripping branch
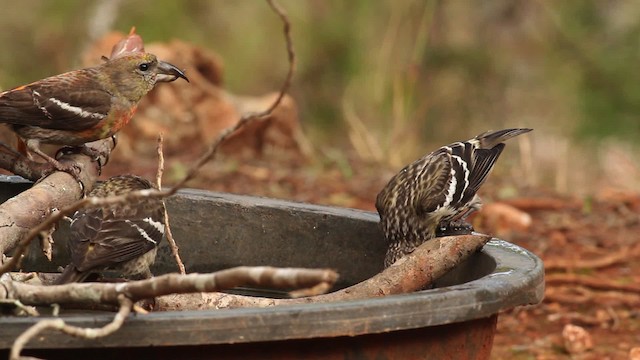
{"x":94,"y":154}
{"x":433,"y":195}
{"x":454,"y":228}
{"x":101,"y":158}
{"x":84,"y":105}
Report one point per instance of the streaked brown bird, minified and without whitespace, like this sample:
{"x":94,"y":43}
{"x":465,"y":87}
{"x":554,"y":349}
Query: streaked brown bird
{"x":83,"y":105}
{"x":122,"y":237}
{"x":433,"y":195}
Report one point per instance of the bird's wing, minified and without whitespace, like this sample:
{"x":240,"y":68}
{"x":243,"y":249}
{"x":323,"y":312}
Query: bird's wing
{"x":483,"y":161}
{"x":86,"y":224}
{"x":432,"y":181}
{"x":71,"y":101}
{"x":101,"y":237}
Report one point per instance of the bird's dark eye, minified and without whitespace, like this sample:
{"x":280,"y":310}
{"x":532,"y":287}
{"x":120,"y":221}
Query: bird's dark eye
{"x":144,"y":66}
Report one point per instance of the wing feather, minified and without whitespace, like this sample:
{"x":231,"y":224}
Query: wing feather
{"x":71,"y":101}
{"x":433,"y":182}
{"x":483,"y":161}
{"x":101,"y":238}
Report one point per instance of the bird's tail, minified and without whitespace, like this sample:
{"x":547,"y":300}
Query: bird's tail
{"x":492,"y":138}
{"x":70,"y":275}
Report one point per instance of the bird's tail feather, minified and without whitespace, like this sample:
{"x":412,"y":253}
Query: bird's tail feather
{"x":70,"y":275}
{"x":492,"y":138}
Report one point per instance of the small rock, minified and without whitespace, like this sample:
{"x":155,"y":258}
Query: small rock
{"x":502,"y":219}
{"x":576,"y":339}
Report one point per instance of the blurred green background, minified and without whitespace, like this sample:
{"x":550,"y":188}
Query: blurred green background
{"x":392,"y":80}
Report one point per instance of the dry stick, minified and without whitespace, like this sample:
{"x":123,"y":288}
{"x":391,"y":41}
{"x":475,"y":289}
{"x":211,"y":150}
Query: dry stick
{"x":413,"y":272}
{"x":590,"y":282}
{"x":108,"y":293}
{"x":167,"y":227}
{"x":124,"y":293}
{"x":584,"y":295}
{"x":207,"y":156}
{"x":609,"y":259}
{"x":160,"y":170}
{"x":59,"y":324}
{"x":542,"y":203}
{"x":584,"y":319}
{"x":20,"y":165}
{"x":244,"y":120}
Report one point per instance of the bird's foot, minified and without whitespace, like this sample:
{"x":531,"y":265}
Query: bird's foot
{"x":94,"y":154}
{"x":452,"y":228}
{"x":70,"y":168}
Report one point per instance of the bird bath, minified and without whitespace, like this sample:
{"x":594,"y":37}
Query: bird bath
{"x":454,"y":320}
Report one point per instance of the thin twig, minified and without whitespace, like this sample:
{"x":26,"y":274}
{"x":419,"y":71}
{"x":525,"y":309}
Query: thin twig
{"x":59,"y":324}
{"x":583,"y":295}
{"x":32,"y":332}
{"x":108,"y":293}
{"x":610,"y":258}
{"x":247,"y":118}
{"x":590,"y":282}
{"x":160,"y":170}
{"x":175,"y":250}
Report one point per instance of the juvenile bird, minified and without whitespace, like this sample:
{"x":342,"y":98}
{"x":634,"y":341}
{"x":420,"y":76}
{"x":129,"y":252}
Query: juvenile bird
{"x":435,"y":194}
{"x":83,"y":105}
{"x":121,"y":237}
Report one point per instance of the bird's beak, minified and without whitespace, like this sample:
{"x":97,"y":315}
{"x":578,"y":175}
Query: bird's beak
{"x":167,"y":72}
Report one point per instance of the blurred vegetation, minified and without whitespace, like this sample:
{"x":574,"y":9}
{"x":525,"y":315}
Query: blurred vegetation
{"x":390,"y":78}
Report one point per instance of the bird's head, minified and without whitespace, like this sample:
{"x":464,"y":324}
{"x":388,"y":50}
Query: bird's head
{"x":134,"y":75}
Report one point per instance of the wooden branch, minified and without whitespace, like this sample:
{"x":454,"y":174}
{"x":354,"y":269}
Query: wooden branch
{"x":580,"y":318}
{"x":59,"y":324}
{"x":20,"y":165}
{"x":584,"y":295}
{"x":543,"y":204}
{"x":28,"y":214}
{"x":590,"y":282}
{"x":107,"y":293}
{"x":414,"y":272}
{"x":607,"y":259}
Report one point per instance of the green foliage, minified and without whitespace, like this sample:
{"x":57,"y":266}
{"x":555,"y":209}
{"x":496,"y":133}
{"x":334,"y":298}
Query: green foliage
{"x":161,"y":20}
{"x":409,"y":72}
{"x":39,"y":38}
{"x":604,"y":48}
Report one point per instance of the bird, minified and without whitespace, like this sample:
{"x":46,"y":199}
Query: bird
{"x":84,"y":105}
{"x":433,"y":195}
{"x":122,"y":237}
